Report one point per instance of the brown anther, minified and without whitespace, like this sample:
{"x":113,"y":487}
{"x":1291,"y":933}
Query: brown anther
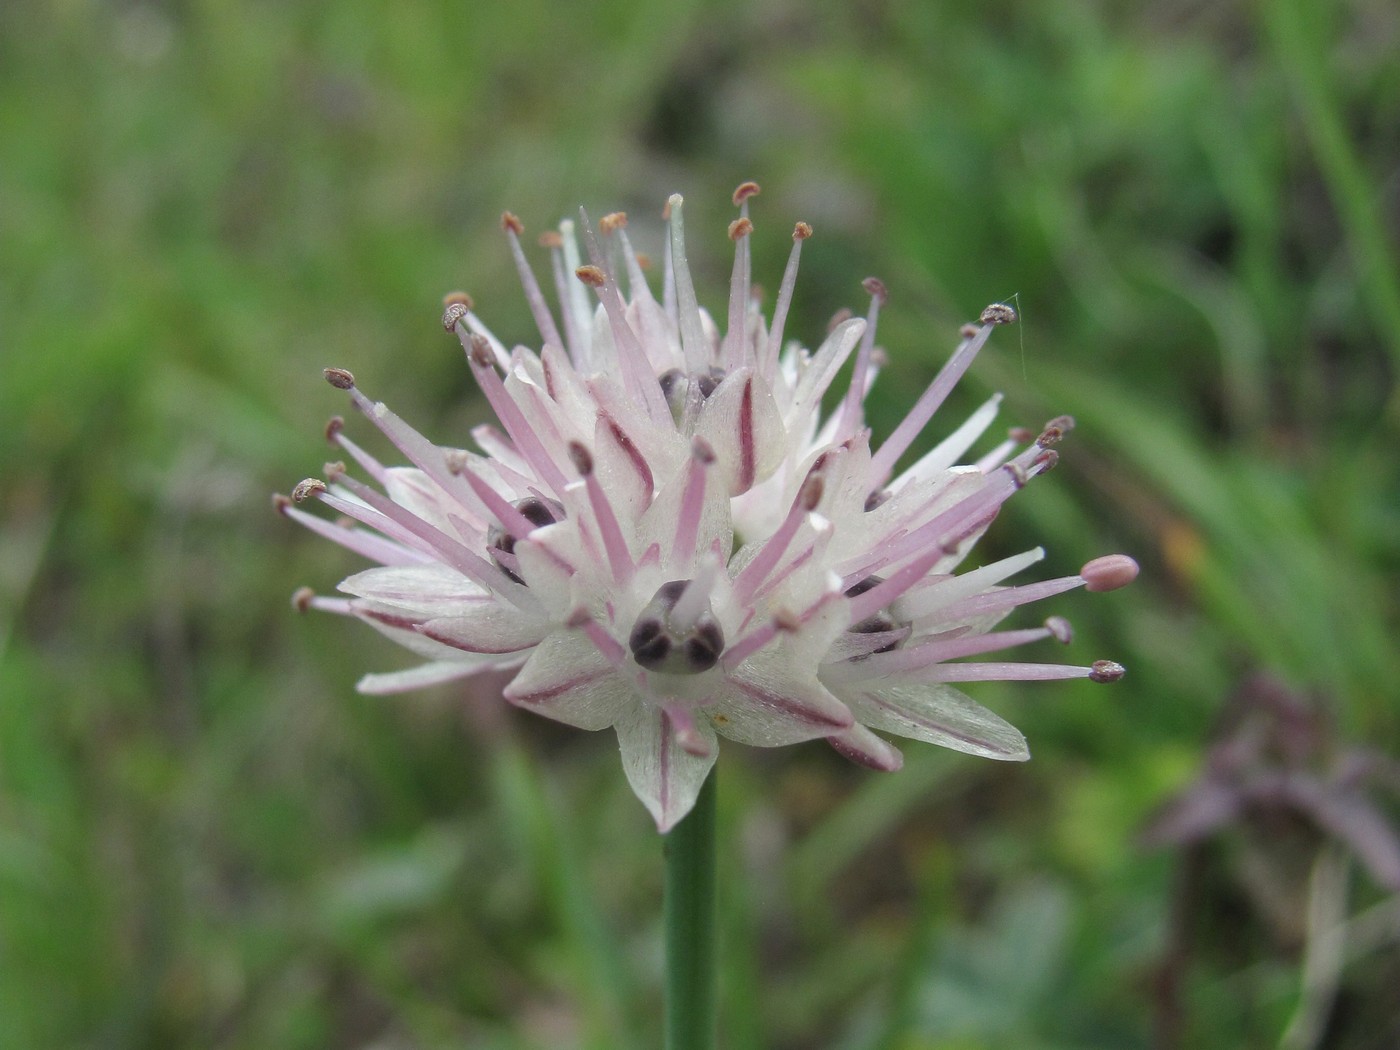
{"x":591,"y":275}
{"x":480,"y":352}
{"x":1017,"y":472}
{"x":1047,"y":460}
{"x":511,"y":224}
{"x":1060,"y":630}
{"x":307,"y":488}
{"x":333,"y":428}
{"x":1020,"y":435}
{"x":334,"y":470}
{"x":551,"y":239}
{"x":280,"y":503}
{"x":301,"y":599}
{"x":968,"y":331}
{"x":1050,"y":437}
{"x":614,"y":220}
{"x":740,"y":228}
{"x":1106,"y":671}
{"x":458,"y":297}
{"x":998,"y":313}
{"x":456,"y":460}
{"x":801,"y":231}
{"x":583,"y":460}
{"x":787,"y":621}
{"x":1109,"y":572}
{"x":1064,"y":424}
{"x":339,"y":378}
{"x":812,"y":491}
{"x":744,"y":191}
{"x":643,"y":261}
{"x":876,"y":288}
{"x":702,"y":450}
{"x":841,"y":316}
{"x":453,"y":315}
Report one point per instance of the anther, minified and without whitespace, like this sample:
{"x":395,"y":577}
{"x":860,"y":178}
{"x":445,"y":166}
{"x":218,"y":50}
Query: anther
{"x":280,"y":503}
{"x":744,"y":191}
{"x":480,"y":352}
{"x":1017,"y":472}
{"x":339,"y":378}
{"x":740,"y":228}
{"x":458,"y":297}
{"x":551,"y":239}
{"x":456,"y":460}
{"x":511,"y":224}
{"x":1106,"y":671}
{"x":1020,"y":435}
{"x":1109,"y":572}
{"x":967,"y":331}
{"x":307,"y":488}
{"x":998,"y":313}
{"x":538,"y":512}
{"x":876,"y":288}
{"x":1047,"y":460}
{"x":658,"y":644}
{"x":801,"y":231}
{"x":812,"y":491}
{"x":302,"y":598}
{"x":841,"y":316}
{"x":878,"y":498}
{"x":452,"y":316}
{"x":1060,"y":629}
{"x":591,"y":275}
{"x":615,"y":220}
{"x":582,"y":459}
{"x":335,"y":471}
{"x":333,"y":428}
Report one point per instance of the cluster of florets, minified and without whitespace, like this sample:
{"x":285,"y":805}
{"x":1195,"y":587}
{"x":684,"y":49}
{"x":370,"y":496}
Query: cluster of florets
{"x":666,"y":536}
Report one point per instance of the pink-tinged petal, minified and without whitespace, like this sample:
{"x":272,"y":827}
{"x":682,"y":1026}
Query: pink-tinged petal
{"x":421,"y":677}
{"x":434,"y":590}
{"x":493,"y":629}
{"x":664,"y":775}
{"x":764,"y":703}
{"x":940,"y":714}
{"x":741,"y":422}
{"x":864,"y":748}
{"x":568,"y":680}
{"x":546,"y":565}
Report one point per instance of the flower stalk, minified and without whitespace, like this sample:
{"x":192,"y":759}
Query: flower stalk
{"x":689,"y":907}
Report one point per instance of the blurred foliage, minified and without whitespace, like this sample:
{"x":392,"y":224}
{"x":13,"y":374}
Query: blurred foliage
{"x":207,"y":839}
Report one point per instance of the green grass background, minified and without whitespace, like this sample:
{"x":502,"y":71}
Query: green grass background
{"x":207,"y":839}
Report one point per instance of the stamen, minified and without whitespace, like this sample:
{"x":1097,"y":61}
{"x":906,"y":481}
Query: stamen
{"x":614,"y":543}
{"x":693,"y":341}
{"x":688,"y":735}
{"x":780,"y":309}
{"x":544,"y":318}
{"x":851,"y":417}
{"x":753,"y":574}
{"x":692,"y":502}
{"x":736,"y":339}
{"x":576,"y":304}
{"x":1109,"y":572}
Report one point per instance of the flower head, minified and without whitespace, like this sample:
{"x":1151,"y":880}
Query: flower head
{"x":666,"y":536}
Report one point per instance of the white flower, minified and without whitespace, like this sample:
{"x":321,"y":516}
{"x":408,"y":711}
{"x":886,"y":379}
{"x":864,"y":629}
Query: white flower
{"x":667,"y":538}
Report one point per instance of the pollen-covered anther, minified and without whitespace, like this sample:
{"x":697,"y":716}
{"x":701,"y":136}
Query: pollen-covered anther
{"x":998,"y":313}
{"x":452,"y":316}
{"x":480,"y":351}
{"x":1060,"y":630}
{"x":801,"y":231}
{"x":659,"y":643}
{"x":307,"y":488}
{"x":458,"y":297}
{"x":334,"y":426}
{"x":1109,"y":572}
{"x":876,"y":288}
{"x":302,"y":598}
{"x":511,"y":223}
{"x":581,"y":458}
{"x":340,"y":378}
{"x":744,"y":191}
{"x":334,"y":470}
{"x":591,"y":276}
{"x":456,"y":460}
{"x":1106,"y":671}
{"x":740,"y":228}
{"x":1055,"y":431}
{"x":613,"y":221}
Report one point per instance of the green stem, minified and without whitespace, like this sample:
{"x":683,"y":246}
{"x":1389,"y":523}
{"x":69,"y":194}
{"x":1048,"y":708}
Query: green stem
{"x":689,"y":905}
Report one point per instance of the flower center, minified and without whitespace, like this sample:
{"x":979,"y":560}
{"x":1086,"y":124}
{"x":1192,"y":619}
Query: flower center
{"x":675,"y":386}
{"x":677,"y":633}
